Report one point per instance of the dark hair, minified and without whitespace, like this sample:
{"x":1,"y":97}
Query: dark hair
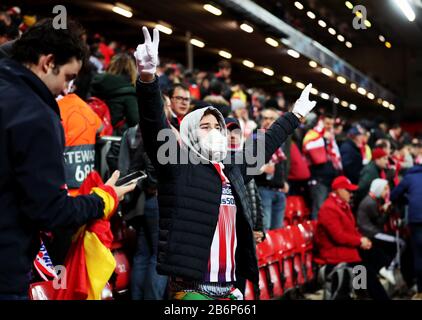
{"x":177,"y":86}
{"x":44,"y":39}
{"x":328,"y":115}
{"x":224,"y":64}
{"x":170,"y":71}
{"x":216,"y":87}
{"x":213,"y":112}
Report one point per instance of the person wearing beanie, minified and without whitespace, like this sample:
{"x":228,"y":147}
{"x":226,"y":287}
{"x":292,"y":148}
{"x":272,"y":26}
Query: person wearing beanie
{"x":375,"y":169}
{"x":372,"y":215}
{"x":338,"y":240}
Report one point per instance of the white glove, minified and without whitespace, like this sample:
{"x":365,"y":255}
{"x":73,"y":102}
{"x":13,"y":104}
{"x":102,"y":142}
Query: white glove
{"x":303,"y":105}
{"x":146,"y":54}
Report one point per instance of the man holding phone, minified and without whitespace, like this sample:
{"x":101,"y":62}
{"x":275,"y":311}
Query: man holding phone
{"x":33,"y":195}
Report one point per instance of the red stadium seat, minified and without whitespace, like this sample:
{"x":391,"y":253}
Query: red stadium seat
{"x":264,"y":281}
{"x":296,"y":210}
{"x":298,"y":254}
{"x":250,"y":291}
{"x":286,"y":260}
{"x":274,"y":268}
{"x":41,"y":291}
{"x":265,"y":251}
{"x":307,"y":229}
{"x":277,"y":290}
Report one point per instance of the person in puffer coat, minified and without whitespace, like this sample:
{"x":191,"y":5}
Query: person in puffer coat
{"x":236,"y":144}
{"x":205,"y":237}
{"x":411,"y":189}
{"x":116,"y":88}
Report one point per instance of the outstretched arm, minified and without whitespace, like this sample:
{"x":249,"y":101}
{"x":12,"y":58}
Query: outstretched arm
{"x":263,"y":146}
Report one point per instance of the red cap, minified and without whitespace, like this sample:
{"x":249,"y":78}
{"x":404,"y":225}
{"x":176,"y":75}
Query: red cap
{"x":343,"y":183}
{"x":378,"y":153}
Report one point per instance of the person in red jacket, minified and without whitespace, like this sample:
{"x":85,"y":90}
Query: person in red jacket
{"x":338,"y":239}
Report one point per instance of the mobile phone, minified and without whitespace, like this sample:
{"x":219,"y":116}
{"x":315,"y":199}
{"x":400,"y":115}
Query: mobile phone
{"x":131,"y":178}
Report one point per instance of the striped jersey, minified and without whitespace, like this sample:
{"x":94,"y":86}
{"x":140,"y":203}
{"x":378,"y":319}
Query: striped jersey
{"x":221,"y":264}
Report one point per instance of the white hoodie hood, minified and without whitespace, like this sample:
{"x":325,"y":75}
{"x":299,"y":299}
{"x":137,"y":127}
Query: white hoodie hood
{"x":213,"y":146}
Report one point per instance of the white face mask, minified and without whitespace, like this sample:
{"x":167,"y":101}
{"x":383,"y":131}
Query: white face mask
{"x":214,"y":145}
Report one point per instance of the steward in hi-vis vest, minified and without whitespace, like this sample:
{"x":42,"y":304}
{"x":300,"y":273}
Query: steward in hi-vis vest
{"x":81,"y":126}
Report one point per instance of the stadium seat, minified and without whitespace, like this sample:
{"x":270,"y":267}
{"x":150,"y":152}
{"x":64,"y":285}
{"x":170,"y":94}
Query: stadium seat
{"x":286,"y":261}
{"x":307,"y":229}
{"x":41,"y":291}
{"x":298,"y":254}
{"x":249,"y":291}
{"x":264,"y":282}
{"x":121,"y":276}
{"x":274,"y":268}
{"x":296,"y":210}
{"x":265,"y":251}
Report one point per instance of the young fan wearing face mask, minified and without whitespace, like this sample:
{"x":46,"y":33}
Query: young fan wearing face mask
{"x":206,"y":230}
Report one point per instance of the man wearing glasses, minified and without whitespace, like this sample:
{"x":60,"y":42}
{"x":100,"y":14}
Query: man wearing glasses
{"x":180,"y":104}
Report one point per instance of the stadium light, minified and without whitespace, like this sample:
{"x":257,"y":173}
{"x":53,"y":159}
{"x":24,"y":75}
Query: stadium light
{"x":336,"y":100}
{"x":314,"y":91}
{"x":197,"y":43}
{"x":385,"y":103}
{"x":341,"y":79}
{"x":164,"y":29}
{"x":272,"y":42}
{"x":368,"y":23}
{"x":287,"y":79}
{"x":406,"y":9}
{"x":300,"y":85}
{"x":211,"y":9}
{"x":348,"y":44}
{"x":381,"y":38}
{"x":123,"y":10}
{"x":349,"y":5}
{"x":353,"y":86}
{"x":353,"y":107}
{"x":248,"y":63}
{"x":322,"y":23}
{"x":246,"y":27}
{"x":388,"y":44}
{"x":370,"y":96}
{"x":293,"y":53}
{"x":268,"y":71}
{"x":325,"y":96}
{"x":392,"y":107}
{"x":344,"y":104}
{"x":313,"y":64}
{"x":340,"y":38}
{"x":225,"y":54}
{"x":362,"y":91}
{"x":299,"y":5}
{"x":332,"y":31}
{"x":327,"y":72}
{"x":311,"y":15}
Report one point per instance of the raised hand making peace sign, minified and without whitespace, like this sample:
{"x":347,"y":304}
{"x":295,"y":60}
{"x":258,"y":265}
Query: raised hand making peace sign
{"x":146,"y":54}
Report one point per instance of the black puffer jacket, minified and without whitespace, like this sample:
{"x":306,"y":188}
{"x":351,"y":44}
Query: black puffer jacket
{"x":256,"y":205}
{"x":189,"y":197}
